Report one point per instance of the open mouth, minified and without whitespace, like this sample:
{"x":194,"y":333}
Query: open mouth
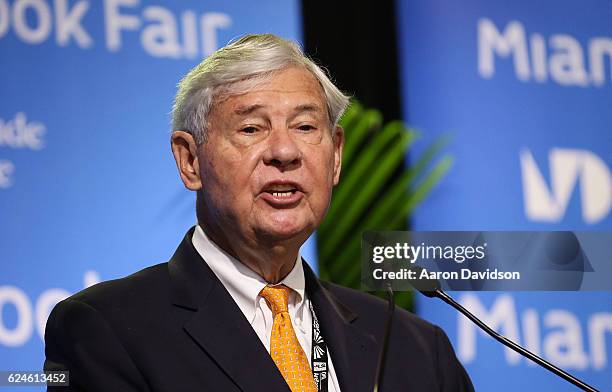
{"x":286,"y":193}
{"x":282,"y":193}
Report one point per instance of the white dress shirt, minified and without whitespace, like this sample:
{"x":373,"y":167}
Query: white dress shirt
{"x":244,"y":285}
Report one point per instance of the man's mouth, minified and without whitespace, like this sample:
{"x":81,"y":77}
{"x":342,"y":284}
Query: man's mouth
{"x":278,"y":190}
{"x":282,"y":193}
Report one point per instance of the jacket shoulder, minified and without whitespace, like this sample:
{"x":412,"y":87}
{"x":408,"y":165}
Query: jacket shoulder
{"x":146,"y":285}
{"x":411,"y":339}
{"x":372,"y":309}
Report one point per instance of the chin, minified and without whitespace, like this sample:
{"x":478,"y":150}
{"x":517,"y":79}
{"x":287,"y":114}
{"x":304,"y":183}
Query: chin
{"x":287,"y":228}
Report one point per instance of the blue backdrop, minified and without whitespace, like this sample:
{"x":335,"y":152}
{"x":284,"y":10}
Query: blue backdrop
{"x":525,"y":88}
{"x":86,"y":171}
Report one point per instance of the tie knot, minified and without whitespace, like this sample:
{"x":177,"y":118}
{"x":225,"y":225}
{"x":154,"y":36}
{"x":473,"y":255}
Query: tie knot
{"x":277,"y":298}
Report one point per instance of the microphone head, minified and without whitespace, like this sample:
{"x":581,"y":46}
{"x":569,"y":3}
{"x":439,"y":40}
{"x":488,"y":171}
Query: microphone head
{"x":429,"y":287}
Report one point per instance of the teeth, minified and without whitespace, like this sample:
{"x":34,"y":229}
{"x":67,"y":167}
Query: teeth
{"x":281,"y":194}
{"x":280,"y":188}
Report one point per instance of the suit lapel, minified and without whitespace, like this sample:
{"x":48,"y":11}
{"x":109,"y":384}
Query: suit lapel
{"x":220,"y":329}
{"x":354,"y":353}
{"x":218,"y":326}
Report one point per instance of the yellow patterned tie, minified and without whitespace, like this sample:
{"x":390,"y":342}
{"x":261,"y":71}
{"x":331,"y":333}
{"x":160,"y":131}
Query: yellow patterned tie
{"x":285,"y":348}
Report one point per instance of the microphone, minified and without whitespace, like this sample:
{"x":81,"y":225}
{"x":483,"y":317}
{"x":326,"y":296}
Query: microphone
{"x":431,"y":288}
{"x":383,"y":352}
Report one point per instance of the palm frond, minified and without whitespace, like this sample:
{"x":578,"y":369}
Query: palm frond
{"x":376,"y":190}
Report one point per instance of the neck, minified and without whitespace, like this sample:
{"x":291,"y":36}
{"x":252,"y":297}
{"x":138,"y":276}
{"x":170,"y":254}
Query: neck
{"x":271,"y":261}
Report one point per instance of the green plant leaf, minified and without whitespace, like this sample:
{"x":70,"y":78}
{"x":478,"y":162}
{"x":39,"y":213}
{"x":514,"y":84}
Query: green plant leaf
{"x":374,"y":192}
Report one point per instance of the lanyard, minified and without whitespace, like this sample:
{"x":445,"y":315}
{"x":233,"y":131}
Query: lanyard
{"x":318,"y":359}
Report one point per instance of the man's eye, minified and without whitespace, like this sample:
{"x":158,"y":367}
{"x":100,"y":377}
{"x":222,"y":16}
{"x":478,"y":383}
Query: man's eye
{"x":249,"y":130}
{"x":306,"y":127}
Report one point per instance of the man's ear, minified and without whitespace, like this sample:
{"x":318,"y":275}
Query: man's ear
{"x":184,"y":149}
{"x":338,"y":147}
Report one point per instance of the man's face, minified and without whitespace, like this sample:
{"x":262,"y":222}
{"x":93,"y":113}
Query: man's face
{"x":271,"y":160}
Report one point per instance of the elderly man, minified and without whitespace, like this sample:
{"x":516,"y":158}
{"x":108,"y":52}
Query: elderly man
{"x":255,"y":135}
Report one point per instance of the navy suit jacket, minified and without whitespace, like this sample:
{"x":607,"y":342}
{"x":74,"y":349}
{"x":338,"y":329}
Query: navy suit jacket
{"x":174,"y":327}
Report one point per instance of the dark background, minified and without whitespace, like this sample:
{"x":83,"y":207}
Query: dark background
{"x":356,"y":41}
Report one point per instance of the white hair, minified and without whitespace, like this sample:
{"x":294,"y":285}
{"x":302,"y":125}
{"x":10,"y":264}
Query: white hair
{"x":251,"y":58}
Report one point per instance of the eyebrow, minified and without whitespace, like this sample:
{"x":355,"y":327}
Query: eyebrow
{"x":307,"y":108}
{"x":245,"y":110}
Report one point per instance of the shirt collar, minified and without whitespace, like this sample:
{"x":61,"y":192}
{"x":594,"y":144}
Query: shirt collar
{"x":243,"y":284}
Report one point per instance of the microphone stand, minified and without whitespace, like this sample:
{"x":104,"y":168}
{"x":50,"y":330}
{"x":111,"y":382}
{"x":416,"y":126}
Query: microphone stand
{"x":383,"y":351}
{"x":431,"y":288}
{"x":438,"y":293}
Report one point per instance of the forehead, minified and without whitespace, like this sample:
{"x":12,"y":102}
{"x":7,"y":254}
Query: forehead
{"x":283,"y":90}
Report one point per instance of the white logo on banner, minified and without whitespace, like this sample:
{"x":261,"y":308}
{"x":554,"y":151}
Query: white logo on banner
{"x":161,"y":32}
{"x":560,"y":57}
{"x":567,"y":168}
{"x":6,"y":171}
{"x":26,"y":317}
{"x":18,"y":133}
{"x":562,"y":344}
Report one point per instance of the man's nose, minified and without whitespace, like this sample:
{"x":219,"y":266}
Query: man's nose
{"x":282,"y":150}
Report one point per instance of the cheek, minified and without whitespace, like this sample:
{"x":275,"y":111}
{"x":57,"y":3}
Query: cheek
{"x":325,"y":167}
{"x":322,"y":175}
{"x":229,"y":174}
